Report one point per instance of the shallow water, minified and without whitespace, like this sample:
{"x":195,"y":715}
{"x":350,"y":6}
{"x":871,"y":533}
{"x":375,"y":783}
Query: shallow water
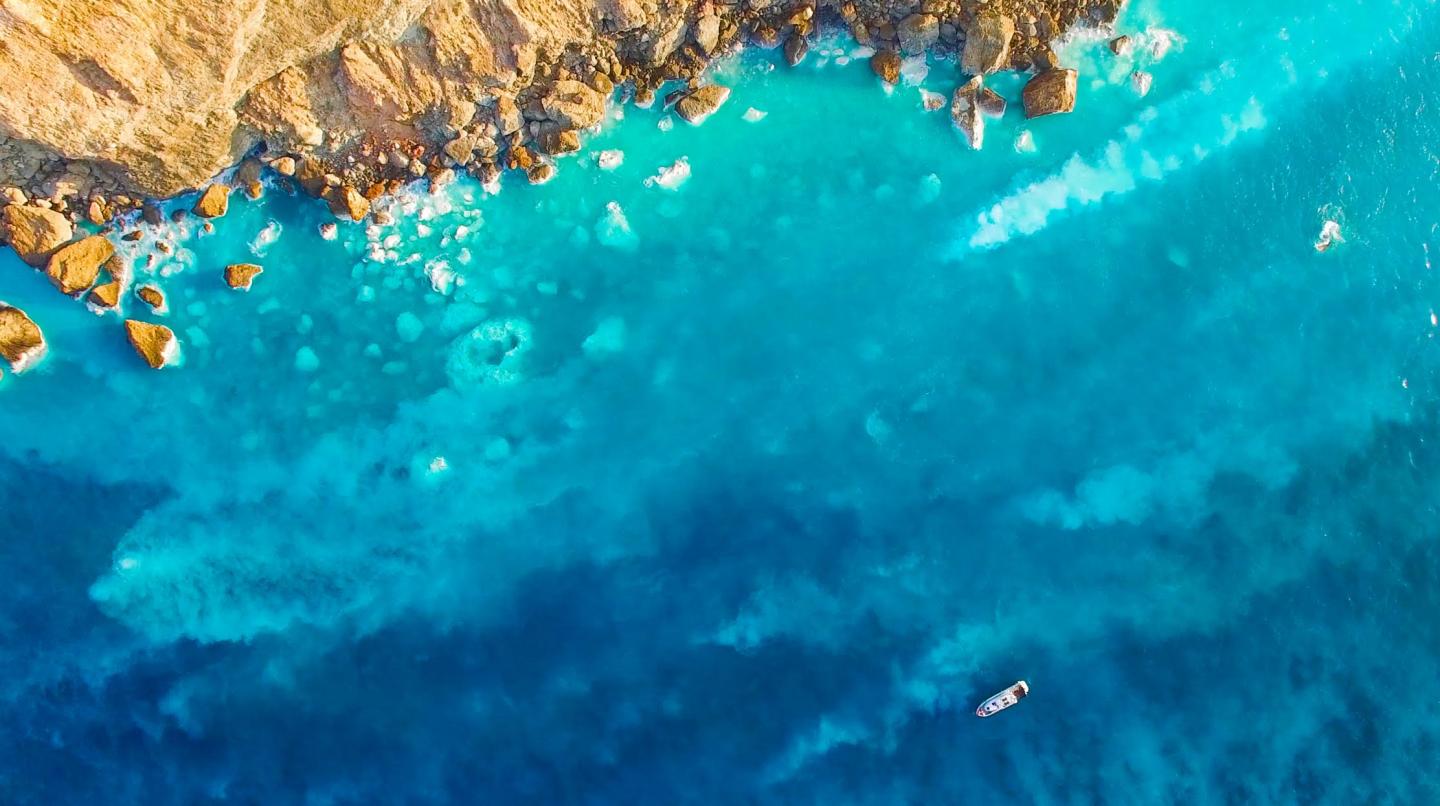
{"x":750,"y":488}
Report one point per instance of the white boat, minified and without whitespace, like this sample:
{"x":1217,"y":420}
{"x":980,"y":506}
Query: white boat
{"x":1004,"y":699}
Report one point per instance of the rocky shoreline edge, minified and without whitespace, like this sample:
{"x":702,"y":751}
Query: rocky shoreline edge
{"x":528,"y":130}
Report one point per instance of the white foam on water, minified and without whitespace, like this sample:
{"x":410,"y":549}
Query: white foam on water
{"x":266,"y":238}
{"x":329,"y":231}
{"x":1025,"y":142}
{"x":753,"y":115}
{"x":671,"y":176}
{"x":610,"y":159}
{"x":913,"y":70}
{"x":613,"y":229}
{"x":665,"y":124}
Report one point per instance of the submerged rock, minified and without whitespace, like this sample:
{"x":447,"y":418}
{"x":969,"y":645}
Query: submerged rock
{"x":155,"y":343}
{"x":33,"y":232}
{"x":21,"y":342}
{"x":1049,"y":93}
{"x":886,"y":65}
{"x":241,"y":275}
{"x":965,"y":112}
{"x":701,"y":102}
{"x":75,"y":266}
{"x":213,"y":202}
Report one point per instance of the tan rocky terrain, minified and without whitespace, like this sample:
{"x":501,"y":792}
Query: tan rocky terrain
{"x":153,"y":97}
{"x":107,"y":103}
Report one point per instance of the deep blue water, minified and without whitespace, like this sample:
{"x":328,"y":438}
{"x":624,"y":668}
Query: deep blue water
{"x":752,"y":491}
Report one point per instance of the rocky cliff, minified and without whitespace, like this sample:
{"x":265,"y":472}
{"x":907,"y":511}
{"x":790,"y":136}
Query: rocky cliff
{"x":124,"y":99}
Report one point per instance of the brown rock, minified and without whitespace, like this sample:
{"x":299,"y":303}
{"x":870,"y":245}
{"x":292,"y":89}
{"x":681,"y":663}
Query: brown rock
{"x":151,"y":296}
{"x":795,"y":49}
{"x":106,"y":295}
{"x":74,"y":267}
{"x":540,"y":173}
{"x":155,"y":343}
{"x":987,"y":44}
{"x":152,"y":214}
{"x":1120,"y":45}
{"x":701,"y":103}
{"x":347,"y":202}
{"x":118,"y":268}
{"x":707,"y":33}
{"x":991,"y":103}
{"x":249,"y":172}
{"x":561,"y":142}
{"x":965,"y":112}
{"x":1049,"y":93}
{"x":21,"y":342}
{"x":917,"y":33}
{"x":886,"y":64}
{"x":213,"y":202}
{"x":241,"y":275}
{"x":33,"y":232}
{"x":285,"y":166}
{"x":573,"y":105}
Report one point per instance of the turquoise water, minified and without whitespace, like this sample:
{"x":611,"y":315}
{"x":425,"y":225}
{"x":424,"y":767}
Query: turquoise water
{"x":751,"y":491}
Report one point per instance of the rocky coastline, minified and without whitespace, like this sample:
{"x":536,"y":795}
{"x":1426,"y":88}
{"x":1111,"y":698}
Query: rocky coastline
{"x":111,"y":107}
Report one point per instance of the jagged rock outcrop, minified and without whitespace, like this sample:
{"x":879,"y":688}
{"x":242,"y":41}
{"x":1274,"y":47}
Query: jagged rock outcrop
{"x":965,"y":112}
{"x":21,"y":342}
{"x":155,"y":343}
{"x":105,"y":103}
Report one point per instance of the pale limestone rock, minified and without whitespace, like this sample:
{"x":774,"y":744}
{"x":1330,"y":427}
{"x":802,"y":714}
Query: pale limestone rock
{"x":74,"y":267}
{"x":33,"y":232}
{"x":987,"y":44}
{"x":347,"y":202}
{"x":707,"y":33}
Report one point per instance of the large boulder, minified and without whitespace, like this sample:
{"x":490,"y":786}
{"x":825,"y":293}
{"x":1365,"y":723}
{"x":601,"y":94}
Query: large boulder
{"x":965,"y":112}
{"x":347,"y":202}
{"x":155,"y":343}
{"x":701,"y":102}
{"x":573,"y":105}
{"x":33,"y":232}
{"x":917,"y":33}
{"x":886,"y":65}
{"x":213,"y":202}
{"x":662,"y":41}
{"x":987,"y":44}
{"x":21,"y":342}
{"x":1049,"y":93}
{"x":74,"y":267}
{"x":707,"y":33}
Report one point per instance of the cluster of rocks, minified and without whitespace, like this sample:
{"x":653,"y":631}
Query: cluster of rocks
{"x":557,"y":91}
{"x":524,"y":123}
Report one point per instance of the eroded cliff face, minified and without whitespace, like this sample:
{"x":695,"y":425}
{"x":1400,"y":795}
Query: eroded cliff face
{"x":152,"y":97}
